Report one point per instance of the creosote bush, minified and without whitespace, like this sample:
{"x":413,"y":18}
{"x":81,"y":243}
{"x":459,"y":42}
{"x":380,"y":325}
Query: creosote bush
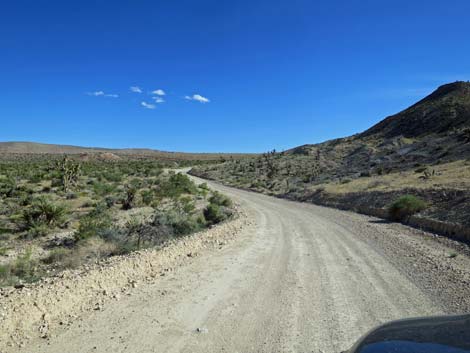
{"x":94,"y":223}
{"x":221,"y":200}
{"x":177,"y":185}
{"x":405,"y":206}
{"x":214,"y":214}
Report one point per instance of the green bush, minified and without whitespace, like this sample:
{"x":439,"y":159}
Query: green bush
{"x":213,"y":214}
{"x":186,"y":205}
{"x":7,"y":186}
{"x":37,"y":231}
{"x":103,"y":189}
{"x":174,"y":223}
{"x":147,"y":196}
{"x":405,"y":206}
{"x":220,"y":200}
{"x":186,"y":225}
{"x":93,"y":224}
{"x":176,"y":185}
{"x":115,"y":176}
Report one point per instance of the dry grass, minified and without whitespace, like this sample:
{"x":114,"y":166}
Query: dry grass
{"x":455,"y":175}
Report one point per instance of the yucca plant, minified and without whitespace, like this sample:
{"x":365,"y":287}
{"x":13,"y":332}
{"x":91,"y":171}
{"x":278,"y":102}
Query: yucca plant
{"x":43,"y":212}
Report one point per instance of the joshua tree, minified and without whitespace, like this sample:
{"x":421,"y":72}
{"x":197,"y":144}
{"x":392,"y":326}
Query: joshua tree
{"x":466,"y":135}
{"x":128,"y":202}
{"x":268,"y":158}
{"x":69,"y":172}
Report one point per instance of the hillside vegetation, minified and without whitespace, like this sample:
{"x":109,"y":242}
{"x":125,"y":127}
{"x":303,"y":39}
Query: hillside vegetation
{"x":423,"y":151}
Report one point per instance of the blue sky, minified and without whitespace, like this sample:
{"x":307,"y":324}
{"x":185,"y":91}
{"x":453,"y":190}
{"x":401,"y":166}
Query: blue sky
{"x":276,"y":74}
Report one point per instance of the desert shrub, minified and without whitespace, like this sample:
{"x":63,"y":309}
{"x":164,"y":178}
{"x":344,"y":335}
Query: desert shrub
{"x":93,"y":249}
{"x":377,"y":183}
{"x":110,"y":201}
{"x":23,"y":269}
{"x":37,"y":230}
{"x":7,"y":186}
{"x":135,"y":234}
{"x":25,"y":199}
{"x":41,"y":213}
{"x":71,"y":196}
{"x":147,"y":196}
{"x":37,"y":176}
{"x":405,"y":206}
{"x":174,"y":223}
{"x":203,"y":190}
{"x":187,"y":225}
{"x":103,"y":189}
{"x":114,"y":176}
{"x":88,"y":203}
{"x":421,"y":169}
{"x":213,"y":214}
{"x":137,"y":183}
{"x":93,"y":224}
{"x":57,"y":255}
{"x":221,"y":200}
{"x":185,"y":204}
{"x":176,"y":185}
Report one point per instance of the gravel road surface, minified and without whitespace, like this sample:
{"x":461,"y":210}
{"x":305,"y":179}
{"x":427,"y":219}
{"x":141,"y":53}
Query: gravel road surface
{"x":300,"y":278}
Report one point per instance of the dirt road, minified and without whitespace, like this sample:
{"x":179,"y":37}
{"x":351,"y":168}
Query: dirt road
{"x":301,"y":278}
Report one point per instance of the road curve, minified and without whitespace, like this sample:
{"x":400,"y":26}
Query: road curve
{"x":298,"y":279}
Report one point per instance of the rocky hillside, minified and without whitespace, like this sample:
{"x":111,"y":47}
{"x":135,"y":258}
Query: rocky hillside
{"x":424,"y":147}
{"x":434,"y":130}
{"x":446,"y":109}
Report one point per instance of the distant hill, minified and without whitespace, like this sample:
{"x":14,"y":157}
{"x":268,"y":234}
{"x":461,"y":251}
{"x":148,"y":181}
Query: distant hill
{"x":27,"y":148}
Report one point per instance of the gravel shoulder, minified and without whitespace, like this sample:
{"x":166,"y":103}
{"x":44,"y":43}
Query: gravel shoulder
{"x":297,"y":278}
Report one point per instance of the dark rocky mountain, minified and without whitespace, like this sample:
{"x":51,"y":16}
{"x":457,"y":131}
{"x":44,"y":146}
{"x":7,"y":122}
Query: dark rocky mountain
{"x":445,"y":109}
{"x":434,"y":130}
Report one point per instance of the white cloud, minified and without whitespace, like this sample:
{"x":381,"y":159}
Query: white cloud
{"x":102,"y":94}
{"x":135,"y":89}
{"x":96,"y":93}
{"x":159,"y":92}
{"x":197,"y":97}
{"x":158,"y":99}
{"x":148,"y":105}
